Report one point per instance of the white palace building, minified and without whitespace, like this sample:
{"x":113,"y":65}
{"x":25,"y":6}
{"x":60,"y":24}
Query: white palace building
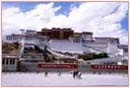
{"x":66,"y":40}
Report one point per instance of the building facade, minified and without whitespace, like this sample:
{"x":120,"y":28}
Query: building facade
{"x":66,"y":40}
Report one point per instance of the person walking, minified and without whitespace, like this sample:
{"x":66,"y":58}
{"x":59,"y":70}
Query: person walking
{"x":59,"y":73}
{"x":79,"y":75}
{"x":46,"y":73}
{"x":74,"y":74}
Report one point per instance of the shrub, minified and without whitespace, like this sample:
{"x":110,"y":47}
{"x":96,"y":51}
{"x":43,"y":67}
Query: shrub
{"x":91,"y":56}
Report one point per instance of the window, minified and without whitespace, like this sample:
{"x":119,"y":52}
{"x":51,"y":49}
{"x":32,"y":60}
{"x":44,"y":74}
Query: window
{"x":13,"y":61}
{"x":125,"y":50}
{"x":9,"y":37}
{"x":114,"y":41}
{"x":76,"y":40}
{"x":3,"y":61}
{"x":7,"y":60}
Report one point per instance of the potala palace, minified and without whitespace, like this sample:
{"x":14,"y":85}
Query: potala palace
{"x":66,"y":40}
{"x":56,"y":42}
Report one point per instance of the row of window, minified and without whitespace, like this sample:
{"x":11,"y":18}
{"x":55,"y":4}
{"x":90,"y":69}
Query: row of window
{"x":76,"y":40}
{"x":14,"y":38}
{"x":19,"y":38}
{"x":34,"y":39}
{"x":7,"y":61}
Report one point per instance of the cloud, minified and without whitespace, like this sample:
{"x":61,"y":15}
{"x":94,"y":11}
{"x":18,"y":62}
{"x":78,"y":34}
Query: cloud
{"x":36,"y":18}
{"x":101,"y":18}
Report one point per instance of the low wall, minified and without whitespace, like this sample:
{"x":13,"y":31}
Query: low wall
{"x":42,"y":67}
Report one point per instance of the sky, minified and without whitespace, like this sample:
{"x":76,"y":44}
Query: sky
{"x":104,"y":19}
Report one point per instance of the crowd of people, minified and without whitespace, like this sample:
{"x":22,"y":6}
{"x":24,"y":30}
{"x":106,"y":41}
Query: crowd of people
{"x":75,"y":73}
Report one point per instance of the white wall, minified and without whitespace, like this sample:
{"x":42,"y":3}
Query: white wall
{"x":112,"y":48}
{"x":66,"y":46}
{"x":96,"y":47}
{"x":87,"y":37}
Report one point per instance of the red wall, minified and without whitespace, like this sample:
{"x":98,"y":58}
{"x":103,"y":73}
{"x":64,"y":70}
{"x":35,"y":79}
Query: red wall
{"x":68,"y":66}
{"x":123,"y":67}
